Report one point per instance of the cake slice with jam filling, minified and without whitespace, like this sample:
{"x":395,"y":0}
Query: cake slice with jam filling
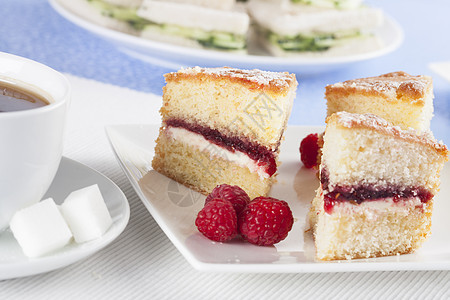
{"x":223,"y":125}
{"x":377,"y":184}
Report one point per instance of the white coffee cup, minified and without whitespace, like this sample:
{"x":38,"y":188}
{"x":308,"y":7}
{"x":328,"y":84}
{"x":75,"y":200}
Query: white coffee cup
{"x":31,"y":140}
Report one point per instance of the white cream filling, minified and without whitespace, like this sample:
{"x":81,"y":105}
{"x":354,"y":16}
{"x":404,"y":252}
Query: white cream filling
{"x":374,"y":208}
{"x":198,"y":141}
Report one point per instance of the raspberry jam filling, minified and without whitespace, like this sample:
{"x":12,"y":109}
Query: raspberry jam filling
{"x":265,"y":158}
{"x":360,"y":193}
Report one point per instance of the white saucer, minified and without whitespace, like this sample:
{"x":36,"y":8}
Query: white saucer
{"x":174,"y":207}
{"x":175,"y":57}
{"x":71,"y":176}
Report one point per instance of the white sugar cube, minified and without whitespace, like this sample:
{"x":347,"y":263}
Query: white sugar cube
{"x":40,"y":229}
{"x":86,"y":213}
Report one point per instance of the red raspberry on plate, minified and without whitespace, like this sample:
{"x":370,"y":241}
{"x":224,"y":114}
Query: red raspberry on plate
{"x":266,"y":221}
{"x":233,"y":193}
{"x":309,"y":150}
{"x":217,"y":220}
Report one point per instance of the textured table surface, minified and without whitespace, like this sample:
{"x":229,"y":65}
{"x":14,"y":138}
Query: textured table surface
{"x":142,"y":263}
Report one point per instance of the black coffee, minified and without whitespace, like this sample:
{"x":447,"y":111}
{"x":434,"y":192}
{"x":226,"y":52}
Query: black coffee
{"x":15,"y":98}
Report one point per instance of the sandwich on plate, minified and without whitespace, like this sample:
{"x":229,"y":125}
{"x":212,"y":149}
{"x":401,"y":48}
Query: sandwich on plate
{"x":336,"y":4}
{"x":195,"y":25}
{"x":119,"y":15}
{"x":215,"y":4}
{"x":315,"y":30}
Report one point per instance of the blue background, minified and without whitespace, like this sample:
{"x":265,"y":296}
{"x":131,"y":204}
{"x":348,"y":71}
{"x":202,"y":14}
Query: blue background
{"x":31,"y":28}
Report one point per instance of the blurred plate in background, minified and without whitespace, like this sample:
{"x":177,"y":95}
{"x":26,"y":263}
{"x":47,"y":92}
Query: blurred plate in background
{"x":175,"y":57}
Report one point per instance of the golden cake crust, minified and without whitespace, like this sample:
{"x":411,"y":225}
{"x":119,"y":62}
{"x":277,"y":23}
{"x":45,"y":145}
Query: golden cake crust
{"x":271,"y":82}
{"x":394,"y":86}
{"x":371,"y":121}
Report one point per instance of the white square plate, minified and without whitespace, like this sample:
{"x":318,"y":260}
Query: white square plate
{"x":174,"y":207}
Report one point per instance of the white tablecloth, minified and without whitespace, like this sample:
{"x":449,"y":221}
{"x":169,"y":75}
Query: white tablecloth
{"x":143,"y":264}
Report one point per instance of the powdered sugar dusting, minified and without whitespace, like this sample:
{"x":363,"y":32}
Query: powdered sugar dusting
{"x":392,"y":84}
{"x":267,"y":78}
{"x":351,"y":120}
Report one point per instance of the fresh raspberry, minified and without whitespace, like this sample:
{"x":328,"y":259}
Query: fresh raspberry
{"x":237,"y":196}
{"x":217,"y":220}
{"x":265,"y":221}
{"x":309,"y":150}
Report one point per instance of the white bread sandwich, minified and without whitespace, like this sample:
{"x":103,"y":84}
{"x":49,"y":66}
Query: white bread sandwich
{"x":215,"y":4}
{"x":314,"y":30}
{"x":124,"y":3}
{"x":194,"y":26}
{"x":119,"y":15}
{"x":336,"y":4}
